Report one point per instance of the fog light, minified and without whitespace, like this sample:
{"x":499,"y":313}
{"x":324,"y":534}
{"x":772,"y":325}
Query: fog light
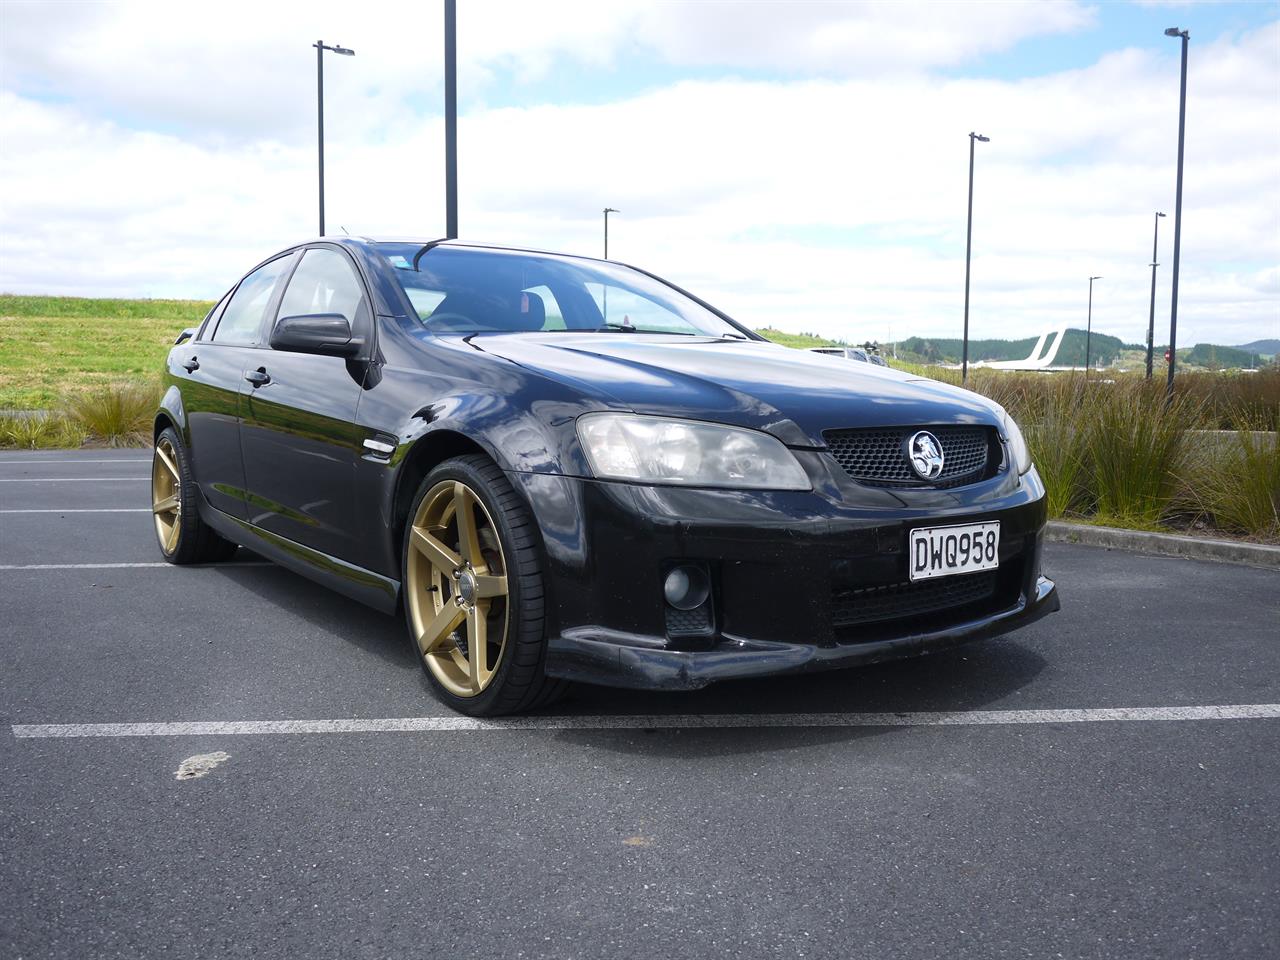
{"x":687,"y":587}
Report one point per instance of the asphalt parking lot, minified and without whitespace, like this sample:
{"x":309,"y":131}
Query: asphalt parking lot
{"x":1002,"y":800}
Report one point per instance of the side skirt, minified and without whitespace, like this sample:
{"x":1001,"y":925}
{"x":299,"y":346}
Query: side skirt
{"x":381,"y":593}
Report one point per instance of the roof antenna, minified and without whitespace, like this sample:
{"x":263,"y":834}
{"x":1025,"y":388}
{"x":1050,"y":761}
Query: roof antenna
{"x":344,"y":230}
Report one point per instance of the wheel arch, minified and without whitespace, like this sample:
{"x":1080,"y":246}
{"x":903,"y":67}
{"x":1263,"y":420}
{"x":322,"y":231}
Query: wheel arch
{"x":428,"y":452}
{"x":170,"y":413}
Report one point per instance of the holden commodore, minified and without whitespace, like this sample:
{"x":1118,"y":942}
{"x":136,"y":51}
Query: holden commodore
{"x":565,"y":469}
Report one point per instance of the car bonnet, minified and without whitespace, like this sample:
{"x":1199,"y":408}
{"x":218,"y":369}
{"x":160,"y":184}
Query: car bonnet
{"x":793,"y":394}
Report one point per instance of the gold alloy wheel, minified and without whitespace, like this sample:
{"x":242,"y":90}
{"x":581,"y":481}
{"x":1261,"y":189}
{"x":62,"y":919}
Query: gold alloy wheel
{"x":166,"y":495}
{"x":456,"y":588}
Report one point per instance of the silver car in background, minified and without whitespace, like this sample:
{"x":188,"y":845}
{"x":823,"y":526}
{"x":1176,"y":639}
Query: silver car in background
{"x":853,"y":353}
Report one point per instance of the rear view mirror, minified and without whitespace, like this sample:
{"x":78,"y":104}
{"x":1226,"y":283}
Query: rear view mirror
{"x":326,"y":333}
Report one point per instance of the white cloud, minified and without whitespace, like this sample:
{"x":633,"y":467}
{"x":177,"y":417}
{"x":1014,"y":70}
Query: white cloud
{"x":834,"y":205}
{"x":242,"y":68}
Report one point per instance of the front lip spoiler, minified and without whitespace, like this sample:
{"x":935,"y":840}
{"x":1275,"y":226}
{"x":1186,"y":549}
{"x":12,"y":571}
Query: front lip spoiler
{"x":616,"y":663}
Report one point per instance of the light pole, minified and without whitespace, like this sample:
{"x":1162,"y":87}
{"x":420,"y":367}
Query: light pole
{"x":1151,"y":322}
{"x":320,"y":49}
{"x":968,"y":249}
{"x":607,"y":211}
{"x":1088,"y":334}
{"x":1177,"y":209}
{"x":451,"y":119}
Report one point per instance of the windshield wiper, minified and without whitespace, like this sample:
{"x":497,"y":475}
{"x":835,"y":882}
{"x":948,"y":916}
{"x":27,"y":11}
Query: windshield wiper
{"x":628,"y":328}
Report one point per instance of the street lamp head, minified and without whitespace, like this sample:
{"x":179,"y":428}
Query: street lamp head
{"x":343,"y":51}
{"x":611,"y":210}
{"x":978,"y":136}
{"x":1159,"y":214}
{"x":1176,"y":32}
{"x":1091,"y":279}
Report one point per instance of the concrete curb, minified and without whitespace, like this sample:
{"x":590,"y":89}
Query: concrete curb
{"x":1165,"y":544}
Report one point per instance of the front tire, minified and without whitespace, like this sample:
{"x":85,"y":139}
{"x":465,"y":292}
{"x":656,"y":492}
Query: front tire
{"x":183,"y":536}
{"x":473,"y":591}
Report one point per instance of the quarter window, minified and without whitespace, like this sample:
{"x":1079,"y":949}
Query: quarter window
{"x":323,"y":283}
{"x":242,"y":319}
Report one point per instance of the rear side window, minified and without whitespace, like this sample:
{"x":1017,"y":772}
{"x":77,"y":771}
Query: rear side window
{"x":210,"y":320}
{"x":323,"y":283}
{"x":242,"y":319}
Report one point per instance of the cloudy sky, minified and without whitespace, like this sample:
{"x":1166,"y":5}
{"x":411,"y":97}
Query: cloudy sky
{"x":800,"y":164}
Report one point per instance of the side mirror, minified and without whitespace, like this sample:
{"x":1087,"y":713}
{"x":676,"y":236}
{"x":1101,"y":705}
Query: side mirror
{"x":326,"y":333}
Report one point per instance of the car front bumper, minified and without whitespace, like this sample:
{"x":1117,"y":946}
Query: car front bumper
{"x":620,"y":664}
{"x":789,"y":570}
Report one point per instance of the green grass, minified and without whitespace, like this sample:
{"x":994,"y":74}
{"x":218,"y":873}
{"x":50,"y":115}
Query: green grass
{"x":54,"y":347}
{"x":801,"y":341}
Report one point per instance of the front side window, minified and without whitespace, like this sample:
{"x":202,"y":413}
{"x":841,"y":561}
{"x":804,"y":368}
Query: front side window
{"x":242,"y":319}
{"x":323,"y":283}
{"x":462,"y":291}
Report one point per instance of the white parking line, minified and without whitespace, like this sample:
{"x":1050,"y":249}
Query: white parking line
{"x":70,"y":479}
{"x":120,"y":566}
{"x":82,"y":510}
{"x":103,"y":460}
{"x":199,"y":728}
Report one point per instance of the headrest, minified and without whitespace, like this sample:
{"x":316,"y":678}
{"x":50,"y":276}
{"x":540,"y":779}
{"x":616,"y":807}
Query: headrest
{"x":521,"y":311}
{"x":530,"y":313}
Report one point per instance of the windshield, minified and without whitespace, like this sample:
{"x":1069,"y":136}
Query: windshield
{"x":457,"y":290}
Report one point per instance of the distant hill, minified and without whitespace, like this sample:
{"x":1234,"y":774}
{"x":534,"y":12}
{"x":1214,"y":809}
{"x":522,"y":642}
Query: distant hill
{"x":1210,"y":355}
{"x":1103,"y":348}
{"x":1267,"y":348}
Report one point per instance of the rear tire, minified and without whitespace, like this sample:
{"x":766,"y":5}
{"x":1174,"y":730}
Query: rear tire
{"x":473,"y":593}
{"x":183,"y":535}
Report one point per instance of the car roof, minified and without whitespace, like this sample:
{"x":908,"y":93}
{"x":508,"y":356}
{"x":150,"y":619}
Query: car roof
{"x":465,"y":244}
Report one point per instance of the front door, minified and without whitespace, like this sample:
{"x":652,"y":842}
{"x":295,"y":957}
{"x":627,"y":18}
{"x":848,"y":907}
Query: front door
{"x":299,"y":436}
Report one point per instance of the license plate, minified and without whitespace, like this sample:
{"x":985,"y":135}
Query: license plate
{"x":946,"y":551}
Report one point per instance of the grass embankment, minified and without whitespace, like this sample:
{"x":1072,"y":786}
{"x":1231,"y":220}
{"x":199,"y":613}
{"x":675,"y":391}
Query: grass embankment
{"x":55,"y":347}
{"x":801,"y":341}
{"x":89,"y":368}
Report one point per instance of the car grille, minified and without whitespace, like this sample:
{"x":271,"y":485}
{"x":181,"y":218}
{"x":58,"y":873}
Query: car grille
{"x":901,"y":601}
{"x":878,"y":457}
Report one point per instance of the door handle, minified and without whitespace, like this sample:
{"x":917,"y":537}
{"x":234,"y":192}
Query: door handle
{"x":192,"y":365}
{"x":259,"y":377}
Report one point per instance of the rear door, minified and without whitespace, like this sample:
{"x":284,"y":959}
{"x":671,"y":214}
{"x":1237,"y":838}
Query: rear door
{"x":213,"y":373}
{"x":299,"y":435}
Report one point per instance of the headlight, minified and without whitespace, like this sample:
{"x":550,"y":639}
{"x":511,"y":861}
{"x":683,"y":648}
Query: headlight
{"x":1017,"y":445}
{"x":623,"y":446}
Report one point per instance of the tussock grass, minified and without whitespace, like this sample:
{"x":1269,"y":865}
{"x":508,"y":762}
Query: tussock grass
{"x":1135,"y":446}
{"x":1233,"y":479}
{"x":37,"y":433}
{"x":119,"y":416}
{"x":1058,"y":438}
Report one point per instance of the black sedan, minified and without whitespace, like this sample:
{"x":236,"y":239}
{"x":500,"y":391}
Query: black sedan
{"x":569,"y":469}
